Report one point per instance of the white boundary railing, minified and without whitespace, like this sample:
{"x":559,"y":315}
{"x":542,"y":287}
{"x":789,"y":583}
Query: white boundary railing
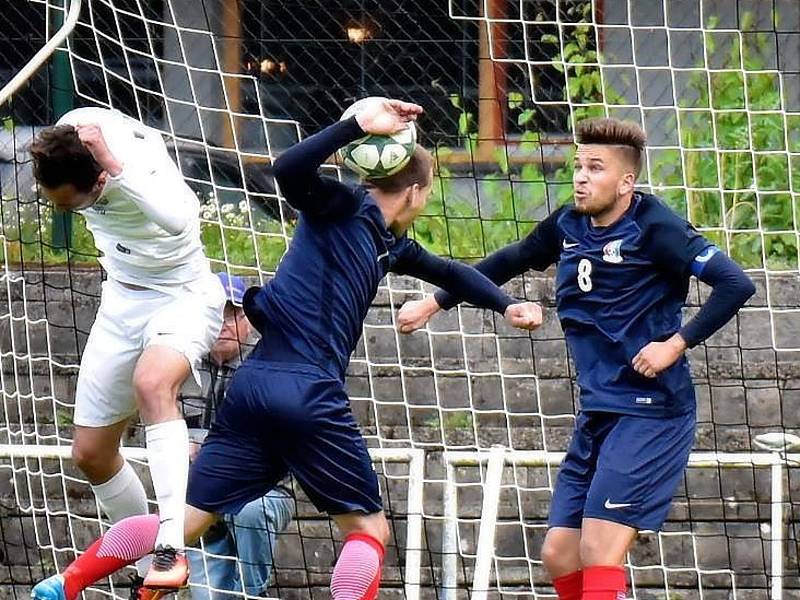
{"x":497,"y":458}
{"x":44,"y":52}
{"x":416,"y":470}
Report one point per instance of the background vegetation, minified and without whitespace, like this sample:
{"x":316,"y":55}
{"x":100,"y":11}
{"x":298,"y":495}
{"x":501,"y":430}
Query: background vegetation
{"x":731,"y":176}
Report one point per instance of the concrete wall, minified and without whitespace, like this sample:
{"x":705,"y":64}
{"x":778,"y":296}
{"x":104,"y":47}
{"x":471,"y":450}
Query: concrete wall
{"x":744,"y":387}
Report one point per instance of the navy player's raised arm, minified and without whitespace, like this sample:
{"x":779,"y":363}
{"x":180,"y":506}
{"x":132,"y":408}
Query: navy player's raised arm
{"x":678,"y":248}
{"x":460,"y":279}
{"x":537,"y":251}
{"x":297,"y":173}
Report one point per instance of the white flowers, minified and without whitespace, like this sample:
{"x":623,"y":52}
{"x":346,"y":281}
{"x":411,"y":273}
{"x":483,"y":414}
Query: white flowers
{"x":234,"y":214}
{"x":208,"y":212}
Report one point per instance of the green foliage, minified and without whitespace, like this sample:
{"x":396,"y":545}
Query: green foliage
{"x":467,"y":124}
{"x":734,"y":185}
{"x":732,"y":178}
{"x":28,"y":230}
{"x":243,"y":240}
{"x":453,"y":420}
{"x":732,"y":175}
{"x":454,"y":224}
{"x":64,"y":417}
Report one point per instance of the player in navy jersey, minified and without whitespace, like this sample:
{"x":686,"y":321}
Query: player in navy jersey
{"x":286,"y":409}
{"x":624,"y":263}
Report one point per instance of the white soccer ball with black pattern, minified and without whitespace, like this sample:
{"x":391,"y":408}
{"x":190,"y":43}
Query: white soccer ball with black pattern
{"x":378,"y":156}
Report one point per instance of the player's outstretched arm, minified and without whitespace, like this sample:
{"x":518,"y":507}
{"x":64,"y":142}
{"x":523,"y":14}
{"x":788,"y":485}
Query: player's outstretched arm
{"x":731,"y":288}
{"x":499,"y":267}
{"x":152,"y":182}
{"x":537,"y":251}
{"x":297,"y":169}
{"x":468,"y":283}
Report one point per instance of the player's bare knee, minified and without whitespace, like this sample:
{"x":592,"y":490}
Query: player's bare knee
{"x":596,"y":551}
{"x":378,"y":531}
{"x":149,"y":387}
{"x":82,"y":456}
{"x":374,"y":525}
{"x":377,"y":527}
{"x":97,"y":464}
{"x":559,"y":557}
{"x":153,"y":394}
{"x":551,"y":556}
{"x":383,"y":532}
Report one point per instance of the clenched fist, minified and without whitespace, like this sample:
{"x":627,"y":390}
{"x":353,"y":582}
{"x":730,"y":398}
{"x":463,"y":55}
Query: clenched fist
{"x":524,"y":315}
{"x":415,"y":314}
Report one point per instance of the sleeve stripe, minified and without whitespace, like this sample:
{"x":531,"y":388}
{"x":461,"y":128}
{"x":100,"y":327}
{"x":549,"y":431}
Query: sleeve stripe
{"x":702,"y":258}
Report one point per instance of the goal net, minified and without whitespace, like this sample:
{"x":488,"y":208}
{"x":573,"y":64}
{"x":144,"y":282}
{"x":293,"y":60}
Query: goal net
{"x":466,"y":418}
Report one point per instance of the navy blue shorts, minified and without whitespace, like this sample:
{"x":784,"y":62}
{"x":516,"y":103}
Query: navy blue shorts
{"x":281,"y":418}
{"x":622,"y":468}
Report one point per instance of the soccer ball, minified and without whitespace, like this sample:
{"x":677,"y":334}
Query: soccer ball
{"x":378,"y":156}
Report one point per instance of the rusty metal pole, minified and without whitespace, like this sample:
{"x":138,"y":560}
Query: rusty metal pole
{"x":491,"y":82}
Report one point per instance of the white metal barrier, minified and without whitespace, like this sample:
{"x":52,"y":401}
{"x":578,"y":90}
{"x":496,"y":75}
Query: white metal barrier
{"x":416,"y":469}
{"x":497,"y":458}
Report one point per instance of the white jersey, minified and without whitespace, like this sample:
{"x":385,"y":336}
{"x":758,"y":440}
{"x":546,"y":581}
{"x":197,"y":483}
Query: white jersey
{"x":146,"y":221}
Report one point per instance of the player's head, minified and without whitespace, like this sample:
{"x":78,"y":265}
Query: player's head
{"x":236,"y":328}
{"x":65,"y":170}
{"x":607,"y":163}
{"x":407,"y":190}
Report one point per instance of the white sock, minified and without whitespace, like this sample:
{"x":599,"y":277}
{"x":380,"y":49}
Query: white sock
{"x":123,"y":496}
{"x":168,"y":456}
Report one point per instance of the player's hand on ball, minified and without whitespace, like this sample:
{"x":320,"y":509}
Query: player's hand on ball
{"x":524,"y":315}
{"x":415,"y":314}
{"x":658,"y":356}
{"x":92,"y":138}
{"x":387,"y":117}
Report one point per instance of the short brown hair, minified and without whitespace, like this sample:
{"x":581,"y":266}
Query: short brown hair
{"x":612,"y":132}
{"x":416,"y":172}
{"x":59,"y":157}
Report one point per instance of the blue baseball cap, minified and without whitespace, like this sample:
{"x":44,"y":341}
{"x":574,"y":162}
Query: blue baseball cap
{"x":234,"y":287}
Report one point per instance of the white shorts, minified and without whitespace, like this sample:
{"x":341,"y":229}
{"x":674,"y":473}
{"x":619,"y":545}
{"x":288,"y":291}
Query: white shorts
{"x":128,"y":321}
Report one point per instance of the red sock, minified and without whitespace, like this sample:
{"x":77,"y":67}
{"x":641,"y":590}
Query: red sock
{"x":569,"y":586}
{"x":125,"y":542}
{"x":604,"y":583}
{"x":357,"y":575}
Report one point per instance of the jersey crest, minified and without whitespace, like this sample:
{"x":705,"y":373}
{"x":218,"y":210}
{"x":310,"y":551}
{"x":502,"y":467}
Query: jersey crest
{"x":612,"y":253}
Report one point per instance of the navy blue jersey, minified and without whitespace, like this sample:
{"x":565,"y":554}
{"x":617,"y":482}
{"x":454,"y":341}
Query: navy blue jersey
{"x":618,"y":288}
{"x":312,"y":311}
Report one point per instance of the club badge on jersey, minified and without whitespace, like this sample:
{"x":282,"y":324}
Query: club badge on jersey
{"x":611,"y":252}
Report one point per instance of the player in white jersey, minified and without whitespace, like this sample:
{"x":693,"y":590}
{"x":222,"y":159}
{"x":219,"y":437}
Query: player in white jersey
{"x":160,"y":309}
